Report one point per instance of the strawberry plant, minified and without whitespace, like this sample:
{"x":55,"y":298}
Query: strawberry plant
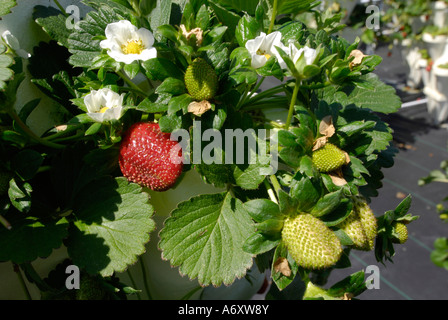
{"x":135,"y":76}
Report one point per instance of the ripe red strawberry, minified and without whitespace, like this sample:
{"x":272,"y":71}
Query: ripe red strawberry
{"x":146,"y":157}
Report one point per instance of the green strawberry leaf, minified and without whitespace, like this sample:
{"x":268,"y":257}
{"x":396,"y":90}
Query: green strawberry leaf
{"x":439,"y":256}
{"x":31,"y":238}
{"x":83,"y":42}
{"x":53,"y":22}
{"x":294,"y":6}
{"x":20,"y":195}
{"x":382,"y":98}
{"x":159,"y":69}
{"x":112,"y":227}
{"x":353,"y":284}
{"x":262,"y":209}
{"x":205,"y":236}
{"x":241,"y":5}
{"x":280,"y":275}
{"x":6,"y":6}
{"x":259,"y":243}
{"x":247,"y":29}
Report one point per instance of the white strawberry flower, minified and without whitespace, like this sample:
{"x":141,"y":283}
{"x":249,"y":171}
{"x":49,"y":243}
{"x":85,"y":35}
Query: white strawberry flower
{"x":12,"y":42}
{"x":104,"y":105}
{"x":310,"y":54}
{"x":125,"y":43}
{"x":263,"y":47}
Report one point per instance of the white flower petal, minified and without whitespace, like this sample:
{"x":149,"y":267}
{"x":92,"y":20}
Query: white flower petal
{"x":119,"y":34}
{"x":148,"y":54}
{"x":120,"y":31}
{"x":97,"y":100}
{"x":258,"y":61}
{"x":310,"y":55}
{"x":146,"y":36}
{"x":14,"y":44}
{"x":11,"y":40}
{"x":98,"y":117}
{"x":253,"y":45}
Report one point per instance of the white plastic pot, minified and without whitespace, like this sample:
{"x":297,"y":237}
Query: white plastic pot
{"x":437,"y":105}
{"x":441,"y":75}
{"x":440,"y":13}
{"x":435,"y":45}
{"x":426,"y":75}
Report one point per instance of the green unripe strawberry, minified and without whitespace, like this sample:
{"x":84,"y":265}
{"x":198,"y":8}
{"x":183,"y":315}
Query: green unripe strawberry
{"x":310,"y":242}
{"x":328,"y":158}
{"x":361,"y":226}
{"x":352,"y":226}
{"x":402,"y":231}
{"x":90,"y":288}
{"x":201,"y":80}
{"x":367,"y":218}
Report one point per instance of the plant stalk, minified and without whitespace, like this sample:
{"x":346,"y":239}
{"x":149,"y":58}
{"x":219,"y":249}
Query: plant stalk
{"x":131,"y":84}
{"x":145,"y":278}
{"x":273,"y":17}
{"x":22,"y":281}
{"x":270,"y":191}
{"x":293,"y":103}
{"x":133,"y":283}
{"x":61,"y":8}
{"x":31,"y":134}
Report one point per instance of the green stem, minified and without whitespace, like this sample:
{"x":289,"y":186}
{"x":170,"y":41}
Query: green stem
{"x":273,"y":17}
{"x":5,"y":223}
{"x":275,"y":183}
{"x":243,"y":98}
{"x":191,"y":293}
{"x":131,"y":84}
{"x":145,"y":279}
{"x":61,"y":8}
{"x":37,"y":280}
{"x":22,"y":281}
{"x":293,"y":103}
{"x":74,"y":137}
{"x":254,"y":91}
{"x":69,"y":129}
{"x":31,"y":134}
{"x":133,"y":283}
{"x":270,"y":191}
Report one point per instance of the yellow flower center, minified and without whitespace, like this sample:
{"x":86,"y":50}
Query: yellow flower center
{"x":103,"y":110}
{"x":263,"y":53}
{"x":133,"y":47}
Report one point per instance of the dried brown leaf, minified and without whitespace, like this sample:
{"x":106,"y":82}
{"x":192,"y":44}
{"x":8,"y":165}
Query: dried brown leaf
{"x":199,"y":108}
{"x":196,"y":32}
{"x":338,"y":178}
{"x":359,"y":55}
{"x":281,"y":265}
{"x":326,"y":127}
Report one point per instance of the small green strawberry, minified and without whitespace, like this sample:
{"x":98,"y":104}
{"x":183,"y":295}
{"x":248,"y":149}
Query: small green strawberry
{"x":201,"y":80}
{"x":310,"y":242}
{"x":367,"y":218}
{"x":361,"y":226}
{"x":328,"y":158}
{"x":90,"y":288}
{"x":352,"y":226}
{"x":402,"y":232}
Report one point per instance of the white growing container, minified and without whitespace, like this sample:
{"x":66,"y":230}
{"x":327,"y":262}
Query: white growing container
{"x":440,"y":13}
{"x":435,"y":45}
